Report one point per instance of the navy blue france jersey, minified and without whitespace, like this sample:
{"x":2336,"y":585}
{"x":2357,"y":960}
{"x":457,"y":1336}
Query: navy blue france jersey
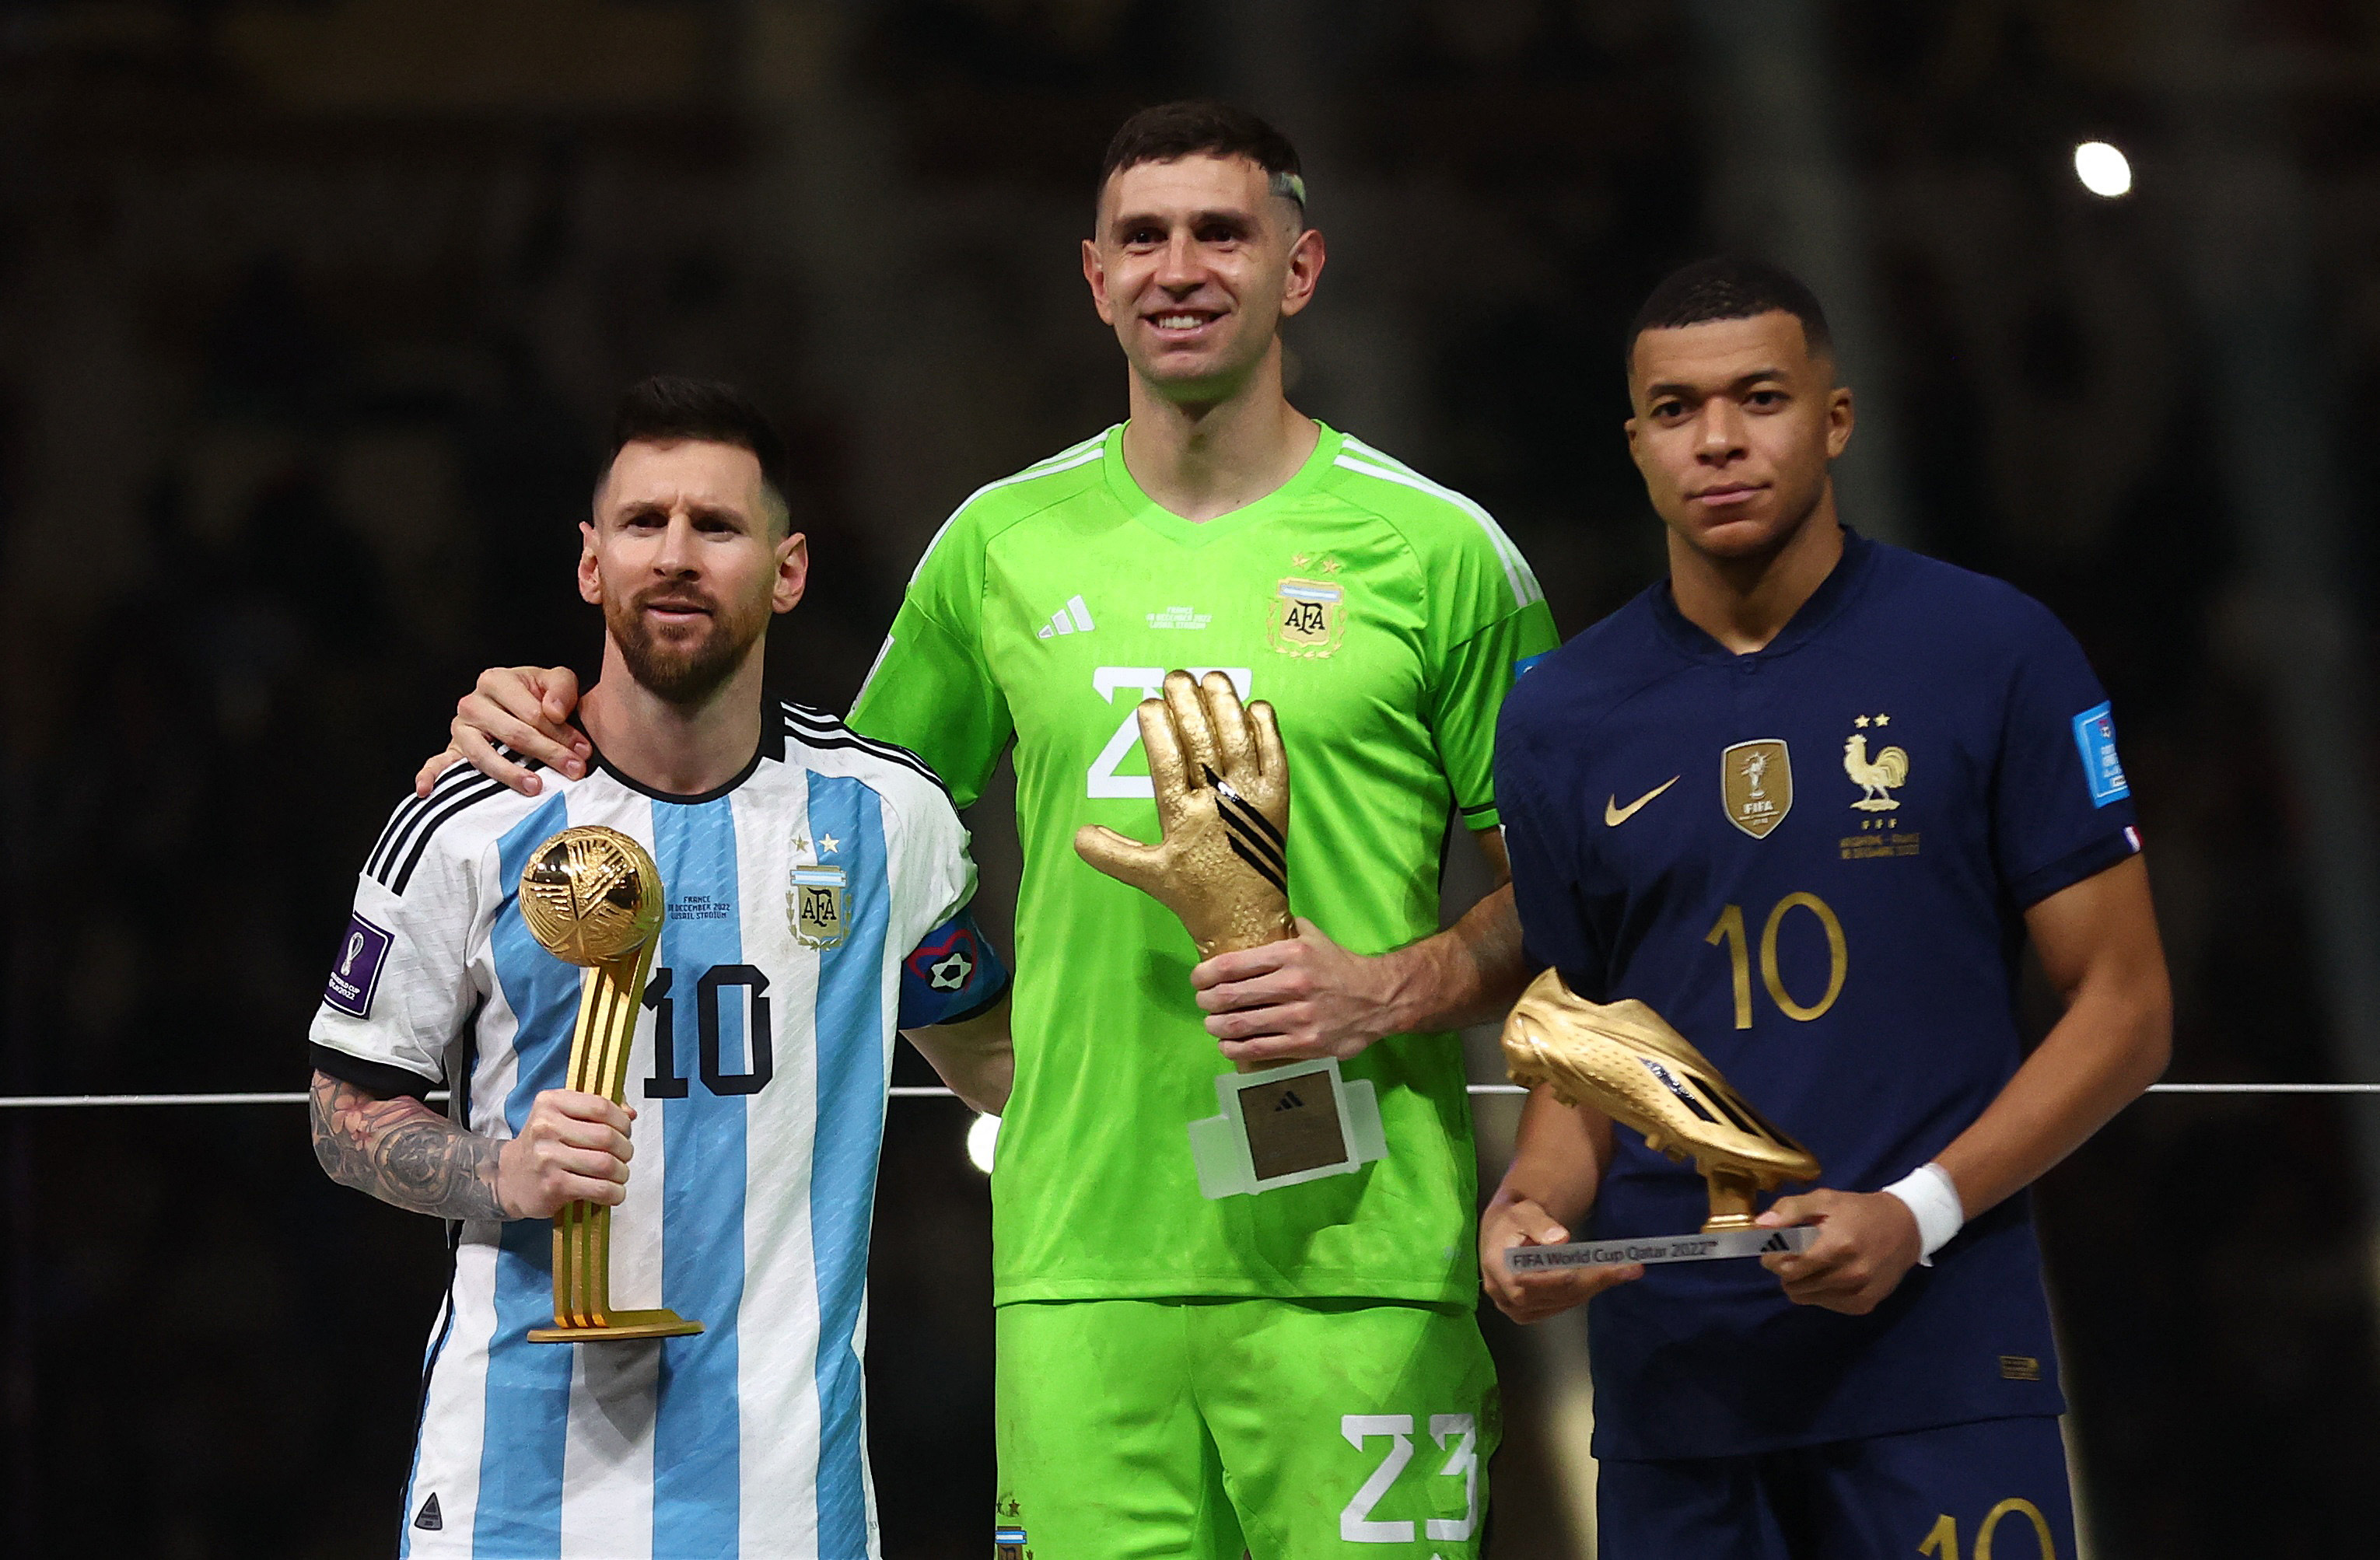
{"x":1813,"y":861}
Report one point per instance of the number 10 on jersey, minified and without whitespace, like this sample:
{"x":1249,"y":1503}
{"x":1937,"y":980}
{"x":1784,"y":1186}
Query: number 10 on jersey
{"x":1728,"y":930}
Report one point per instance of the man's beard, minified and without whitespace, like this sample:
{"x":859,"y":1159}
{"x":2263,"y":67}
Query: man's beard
{"x":687,"y":672}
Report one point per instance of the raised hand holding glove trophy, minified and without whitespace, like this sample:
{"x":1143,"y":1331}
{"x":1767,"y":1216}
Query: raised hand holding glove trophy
{"x":1221,"y":781}
{"x":1626,"y":1060}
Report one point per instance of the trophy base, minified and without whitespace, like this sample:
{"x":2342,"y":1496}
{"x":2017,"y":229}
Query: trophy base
{"x":621,"y":1326}
{"x":1285,"y":1125}
{"x":1754,"y":1243}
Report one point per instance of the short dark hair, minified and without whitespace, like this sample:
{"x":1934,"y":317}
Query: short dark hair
{"x":1203,"y":128}
{"x":1729,"y":287}
{"x":666,"y":408}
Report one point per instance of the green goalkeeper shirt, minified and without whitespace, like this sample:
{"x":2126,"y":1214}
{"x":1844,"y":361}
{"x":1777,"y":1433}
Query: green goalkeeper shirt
{"x":1384,"y":617}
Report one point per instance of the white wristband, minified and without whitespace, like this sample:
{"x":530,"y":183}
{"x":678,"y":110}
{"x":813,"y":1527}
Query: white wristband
{"x":1932,"y":1198}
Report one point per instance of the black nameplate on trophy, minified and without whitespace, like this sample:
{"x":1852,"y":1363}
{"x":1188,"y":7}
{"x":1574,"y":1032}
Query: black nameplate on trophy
{"x":1292,"y":1124}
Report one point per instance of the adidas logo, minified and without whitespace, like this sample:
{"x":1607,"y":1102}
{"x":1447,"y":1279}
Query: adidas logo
{"x":1289,"y":1101}
{"x":1074,"y":617}
{"x":1776,"y":1242}
{"x":429,"y":1520}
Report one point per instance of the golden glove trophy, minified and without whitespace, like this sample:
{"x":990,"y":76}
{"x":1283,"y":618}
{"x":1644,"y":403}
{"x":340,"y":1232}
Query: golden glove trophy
{"x":1623,"y":1060}
{"x":593,"y":898}
{"x":1222,"y":782}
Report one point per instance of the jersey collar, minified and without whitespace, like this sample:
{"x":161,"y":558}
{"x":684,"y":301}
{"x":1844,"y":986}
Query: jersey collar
{"x":772,"y":746}
{"x":1198,"y":533}
{"x":1841,"y":583}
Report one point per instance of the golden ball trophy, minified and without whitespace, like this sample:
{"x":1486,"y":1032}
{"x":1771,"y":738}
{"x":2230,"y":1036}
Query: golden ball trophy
{"x":593,"y":898}
{"x":1626,"y":1060}
{"x":1221,"y":779}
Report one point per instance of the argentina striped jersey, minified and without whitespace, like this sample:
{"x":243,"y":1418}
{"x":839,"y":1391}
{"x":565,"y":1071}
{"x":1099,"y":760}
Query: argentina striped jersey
{"x":759,"y":1074}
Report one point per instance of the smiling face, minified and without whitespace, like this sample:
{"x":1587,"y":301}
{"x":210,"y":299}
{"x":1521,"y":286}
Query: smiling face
{"x":688,"y":556}
{"x":1736,"y":421}
{"x":1195,"y":263}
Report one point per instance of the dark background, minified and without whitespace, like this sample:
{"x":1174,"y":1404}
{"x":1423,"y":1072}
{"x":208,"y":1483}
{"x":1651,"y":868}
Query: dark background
{"x":312,"y":310}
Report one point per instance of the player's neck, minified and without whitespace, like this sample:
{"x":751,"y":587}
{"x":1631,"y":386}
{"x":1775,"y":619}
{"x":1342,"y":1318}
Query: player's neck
{"x":683,"y":750}
{"x":1745,"y":602}
{"x":1203,"y":460}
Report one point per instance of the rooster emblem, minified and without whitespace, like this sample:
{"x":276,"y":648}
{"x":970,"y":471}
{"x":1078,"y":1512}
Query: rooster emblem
{"x":1887,"y":771}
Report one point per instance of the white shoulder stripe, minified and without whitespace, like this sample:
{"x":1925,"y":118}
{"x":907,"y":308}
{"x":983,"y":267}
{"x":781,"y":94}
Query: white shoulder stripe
{"x":1089,"y":449}
{"x":1517,"y":572}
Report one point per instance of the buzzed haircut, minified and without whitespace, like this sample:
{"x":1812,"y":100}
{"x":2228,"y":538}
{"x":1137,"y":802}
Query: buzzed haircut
{"x":1204,"y":128}
{"x":1729,"y":287}
{"x":667,"y":408}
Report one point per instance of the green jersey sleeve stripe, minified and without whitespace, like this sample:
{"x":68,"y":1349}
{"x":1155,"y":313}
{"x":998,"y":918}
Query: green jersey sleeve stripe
{"x":1066,"y":459}
{"x":1516,"y":568}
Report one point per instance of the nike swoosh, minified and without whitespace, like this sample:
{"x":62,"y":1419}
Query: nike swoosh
{"x":1614,"y":814}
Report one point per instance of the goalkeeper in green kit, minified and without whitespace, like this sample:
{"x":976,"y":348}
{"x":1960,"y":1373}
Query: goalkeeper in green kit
{"x":1297,"y":1368}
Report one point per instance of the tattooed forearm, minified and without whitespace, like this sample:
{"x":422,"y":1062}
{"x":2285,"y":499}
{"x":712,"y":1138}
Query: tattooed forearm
{"x":404,"y":1153}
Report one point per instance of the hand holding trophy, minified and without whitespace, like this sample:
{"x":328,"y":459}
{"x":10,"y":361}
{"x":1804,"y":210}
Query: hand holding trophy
{"x":1221,"y":781}
{"x":1623,"y":1060}
{"x":593,"y":898}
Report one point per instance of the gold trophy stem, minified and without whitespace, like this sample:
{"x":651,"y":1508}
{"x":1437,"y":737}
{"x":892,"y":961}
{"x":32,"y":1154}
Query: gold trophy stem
{"x":608,"y":1000}
{"x":1732,"y":1193}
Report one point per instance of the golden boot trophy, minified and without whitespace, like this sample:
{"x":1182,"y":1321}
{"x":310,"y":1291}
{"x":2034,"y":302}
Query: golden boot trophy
{"x":1626,"y":1060}
{"x":593,"y":898}
{"x":1222,"y":782}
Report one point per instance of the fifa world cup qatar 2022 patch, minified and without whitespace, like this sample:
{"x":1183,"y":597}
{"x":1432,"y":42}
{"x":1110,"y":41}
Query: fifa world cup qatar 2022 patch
{"x":2094,"y":737}
{"x":357,"y":975}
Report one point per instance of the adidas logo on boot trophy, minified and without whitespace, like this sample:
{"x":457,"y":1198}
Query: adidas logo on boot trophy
{"x":1623,"y":1060}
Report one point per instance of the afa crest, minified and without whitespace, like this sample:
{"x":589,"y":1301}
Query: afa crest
{"x":1755,"y":785}
{"x":1308,"y":616}
{"x":815,"y":907}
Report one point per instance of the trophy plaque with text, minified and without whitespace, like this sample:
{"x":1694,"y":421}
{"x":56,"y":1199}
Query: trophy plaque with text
{"x":1222,"y":782}
{"x":593,"y":898}
{"x":1623,"y":1060}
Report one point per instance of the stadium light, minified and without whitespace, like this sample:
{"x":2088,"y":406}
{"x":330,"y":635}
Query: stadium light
{"x":980,"y":1139}
{"x":2104,"y":170}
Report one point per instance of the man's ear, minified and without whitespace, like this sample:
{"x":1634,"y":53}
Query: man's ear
{"x":792,"y":573}
{"x":1306,"y":255}
{"x":1096,"y":275}
{"x":590,"y":579}
{"x":1840,"y":421}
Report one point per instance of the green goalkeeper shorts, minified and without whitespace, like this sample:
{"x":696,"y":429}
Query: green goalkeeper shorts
{"x":1193,"y":1430}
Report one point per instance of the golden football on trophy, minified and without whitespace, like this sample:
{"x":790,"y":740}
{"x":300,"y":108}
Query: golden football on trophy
{"x":590,"y":894}
{"x":594,"y":898}
{"x":1623,"y":1060}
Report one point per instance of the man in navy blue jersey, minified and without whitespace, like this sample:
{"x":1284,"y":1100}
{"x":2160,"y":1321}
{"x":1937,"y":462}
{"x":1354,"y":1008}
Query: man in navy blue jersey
{"x":1806,"y":798}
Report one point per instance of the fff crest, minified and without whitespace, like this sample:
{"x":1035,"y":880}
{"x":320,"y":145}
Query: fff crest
{"x":815,"y":906}
{"x":1755,"y":785}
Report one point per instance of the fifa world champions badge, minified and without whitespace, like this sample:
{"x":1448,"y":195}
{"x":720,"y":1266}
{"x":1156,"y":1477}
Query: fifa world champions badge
{"x":1222,"y":781}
